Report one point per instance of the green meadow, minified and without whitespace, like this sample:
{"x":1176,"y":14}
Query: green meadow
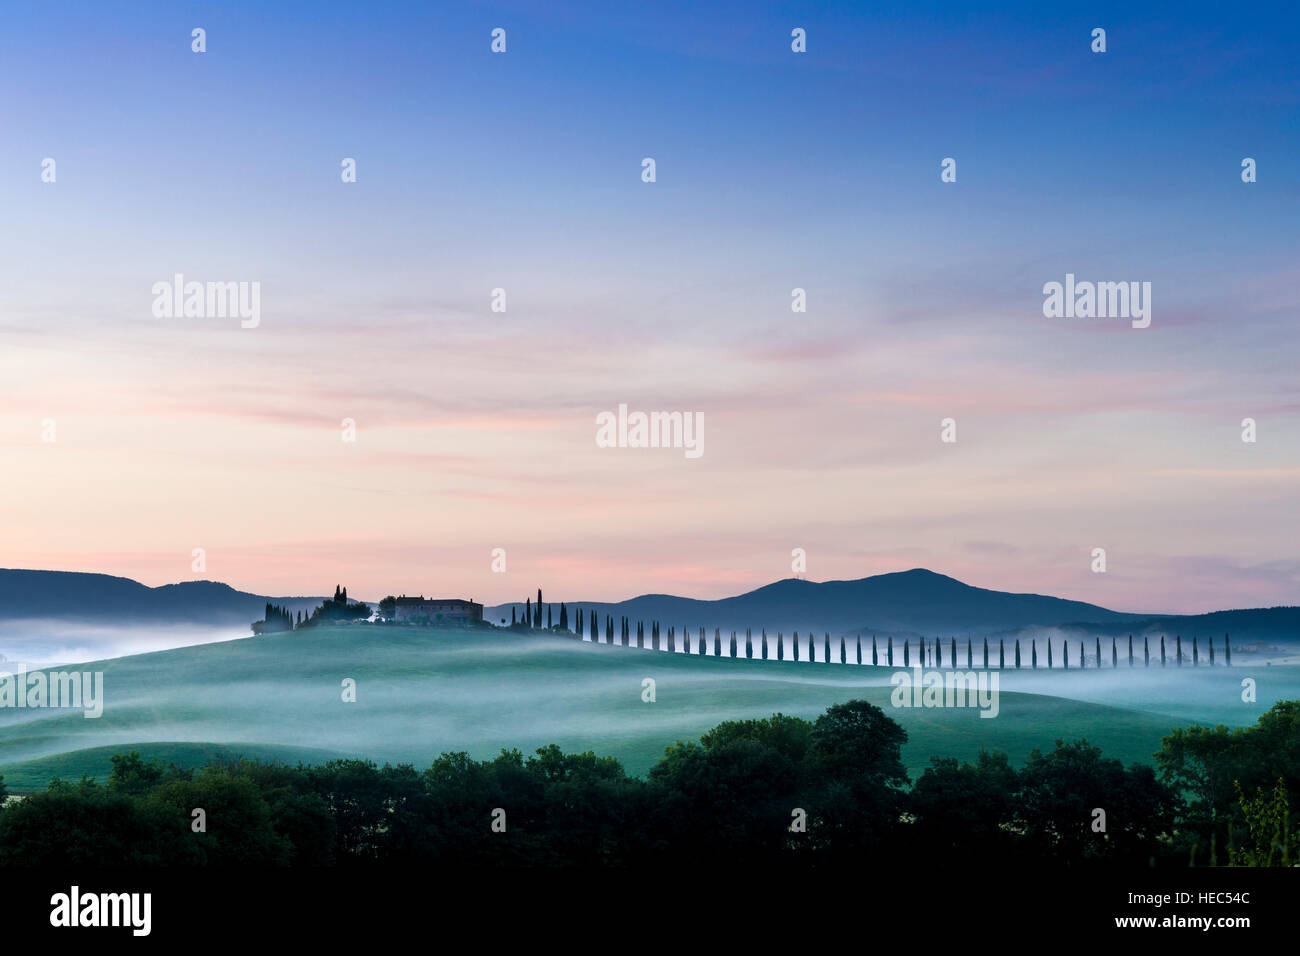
{"x":424,"y":691}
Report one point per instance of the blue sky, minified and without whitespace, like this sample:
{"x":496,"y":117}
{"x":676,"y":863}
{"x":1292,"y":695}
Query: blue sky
{"x":775,"y":170}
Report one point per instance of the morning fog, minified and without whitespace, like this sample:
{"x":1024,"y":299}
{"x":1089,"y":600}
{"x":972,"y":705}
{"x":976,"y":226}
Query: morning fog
{"x":72,"y":689}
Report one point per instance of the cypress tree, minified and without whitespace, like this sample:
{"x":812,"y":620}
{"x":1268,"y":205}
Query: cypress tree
{"x":537,"y":609}
{"x":875,"y":658}
{"x":1098,"y":649}
{"x":1114,"y":654}
{"x":1065,"y":654}
{"x":1081,"y":664}
{"x":826,"y":648}
{"x":986,"y":653}
{"x":1195,"y":652}
{"x":717,"y":642}
{"x":859,"y":657}
{"x":920,"y":654}
{"x":780,"y":646}
{"x":969,"y":654}
{"x":1130,"y":650}
{"x":548,"y":617}
{"x":891,"y":650}
{"x":795,"y":643}
{"x":1018,"y":653}
{"x":1210,"y":643}
{"x":528,"y":611}
{"x":1178,"y":650}
{"x":843,"y":651}
{"x":811,"y":656}
{"x":732,"y":649}
{"x":1162,"y":650}
{"x":1002,"y":655}
{"x":1146,"y":651}
{"x":952,"y":652}
{"x":702,"y":642}
{"x":906,"y":661}
{"x":749,"y":645}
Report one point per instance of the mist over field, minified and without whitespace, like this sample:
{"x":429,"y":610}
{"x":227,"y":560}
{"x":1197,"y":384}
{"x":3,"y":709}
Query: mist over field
{"x":48,"y":642}
{"x":424,"y":691}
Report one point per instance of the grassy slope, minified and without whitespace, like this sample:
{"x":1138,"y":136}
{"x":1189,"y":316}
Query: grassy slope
{"x":96,"y":762}
{"x":423,"y":691}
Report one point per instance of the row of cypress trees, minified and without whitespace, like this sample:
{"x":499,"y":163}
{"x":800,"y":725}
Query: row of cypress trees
{"x":626,"y":633}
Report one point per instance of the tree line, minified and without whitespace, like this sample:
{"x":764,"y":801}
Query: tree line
{"x":925,"y":652}
{"x":774,"y":791}
{"x":335,"y":610}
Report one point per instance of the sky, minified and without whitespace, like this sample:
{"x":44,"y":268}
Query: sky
{"x":774,"y":170}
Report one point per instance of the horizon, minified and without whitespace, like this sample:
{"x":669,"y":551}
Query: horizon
{"x":477,"y":430}
{"x":373,"y":599}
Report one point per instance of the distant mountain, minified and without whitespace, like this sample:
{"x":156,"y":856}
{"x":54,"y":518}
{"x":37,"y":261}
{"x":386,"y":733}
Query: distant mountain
{"x":912,"y":602}
{"x":916,"y":601}
{"x":905,"y":603}
{"x":71,"y":595}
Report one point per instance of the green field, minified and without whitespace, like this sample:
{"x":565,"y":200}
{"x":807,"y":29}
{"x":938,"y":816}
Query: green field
{"x":423,"y":691}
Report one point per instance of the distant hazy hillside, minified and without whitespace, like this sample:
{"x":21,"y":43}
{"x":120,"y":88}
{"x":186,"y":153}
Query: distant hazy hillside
{"x":908,"y":602}
{"x":916,"y":601}
{"x":1270,"y":625}
{"x":70,"y":595}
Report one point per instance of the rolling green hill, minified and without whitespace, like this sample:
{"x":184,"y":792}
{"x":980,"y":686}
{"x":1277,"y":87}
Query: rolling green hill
{"x":423,"y":691}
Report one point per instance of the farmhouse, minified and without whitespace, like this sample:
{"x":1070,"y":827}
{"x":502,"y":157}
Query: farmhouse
{"x":437,"y":610}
